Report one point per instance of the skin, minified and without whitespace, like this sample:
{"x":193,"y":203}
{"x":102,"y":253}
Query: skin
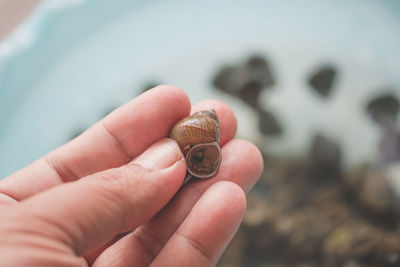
{"x":113,"y":195}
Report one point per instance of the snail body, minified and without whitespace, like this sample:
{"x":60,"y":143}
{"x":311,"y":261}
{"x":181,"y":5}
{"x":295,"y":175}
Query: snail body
{"x":198,"y":138}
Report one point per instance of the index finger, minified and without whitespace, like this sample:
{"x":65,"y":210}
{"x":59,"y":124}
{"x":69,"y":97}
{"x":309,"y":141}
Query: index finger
{"x":112,"y":142}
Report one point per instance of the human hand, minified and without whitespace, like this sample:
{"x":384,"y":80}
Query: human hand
{"x":111,"y":196}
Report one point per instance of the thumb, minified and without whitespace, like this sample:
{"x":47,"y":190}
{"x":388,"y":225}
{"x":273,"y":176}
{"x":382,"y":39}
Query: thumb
{"x":85,"y":213}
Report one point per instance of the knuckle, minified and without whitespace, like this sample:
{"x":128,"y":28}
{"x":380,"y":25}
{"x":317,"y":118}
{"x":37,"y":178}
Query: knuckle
{"x":150,"y":244}
{"x":197,"y":246}
{"x":119,"y":183}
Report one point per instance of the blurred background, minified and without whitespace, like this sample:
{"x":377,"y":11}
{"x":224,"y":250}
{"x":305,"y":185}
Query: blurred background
{"x":315,"y":84}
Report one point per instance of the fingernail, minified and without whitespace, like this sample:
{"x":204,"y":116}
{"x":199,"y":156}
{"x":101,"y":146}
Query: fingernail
{"x":160,"y":155}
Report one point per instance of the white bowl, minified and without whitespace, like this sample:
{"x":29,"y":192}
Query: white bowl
{"x":73,"y":60}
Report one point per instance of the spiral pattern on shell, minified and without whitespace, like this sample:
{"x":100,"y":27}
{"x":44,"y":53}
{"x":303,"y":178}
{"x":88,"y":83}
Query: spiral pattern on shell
{"x":198,"y":138}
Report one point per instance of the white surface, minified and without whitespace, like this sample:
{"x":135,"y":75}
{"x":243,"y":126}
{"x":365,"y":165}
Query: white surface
{"x":72,"y":61}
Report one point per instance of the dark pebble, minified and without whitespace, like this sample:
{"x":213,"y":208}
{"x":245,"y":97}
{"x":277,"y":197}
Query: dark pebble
{"x":245,"y":81}
{"x":383,"y":108}
{"x":326,"y":155}
{"x":230,"y":79}
{"x":250,"y":92}
{"x":389,"y":146}
{"x":322,"y":80}
{"x":268,"y":123}
{"x":260,"y":71}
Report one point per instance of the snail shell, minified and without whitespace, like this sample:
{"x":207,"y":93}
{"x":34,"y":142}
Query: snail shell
{"x":198,"y":138}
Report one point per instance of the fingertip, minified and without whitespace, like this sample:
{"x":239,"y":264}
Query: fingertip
{"x":242,"y":163}
{"x":256,"y":161}
{"x":208,"y":229}
{"x":173,"y":176}
{"x":174,"y":92}
{"x":146,"y":119}
{"x":159,"y":155}
{"x":234,"y":195}
{"x":252,"y":152}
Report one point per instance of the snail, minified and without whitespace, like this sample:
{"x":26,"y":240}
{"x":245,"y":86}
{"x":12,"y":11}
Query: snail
{"x":198,"y":138}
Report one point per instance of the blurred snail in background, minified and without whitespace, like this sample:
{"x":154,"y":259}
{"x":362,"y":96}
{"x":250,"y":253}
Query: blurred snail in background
{"x":198,"y":138}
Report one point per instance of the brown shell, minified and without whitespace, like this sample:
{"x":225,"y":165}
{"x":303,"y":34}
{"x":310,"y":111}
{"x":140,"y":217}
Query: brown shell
{"x":203,"y":160}
{"x":200,"y":127}
{"x":198,"y":138}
